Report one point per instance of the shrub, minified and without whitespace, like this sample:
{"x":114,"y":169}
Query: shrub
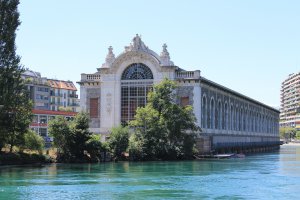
{"x":118,"y":141}
{"x":33,"y":141}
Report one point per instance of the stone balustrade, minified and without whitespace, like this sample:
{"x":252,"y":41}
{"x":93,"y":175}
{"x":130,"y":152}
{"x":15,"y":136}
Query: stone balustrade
{"x":188,"y":74}
{"x":90,"y":77}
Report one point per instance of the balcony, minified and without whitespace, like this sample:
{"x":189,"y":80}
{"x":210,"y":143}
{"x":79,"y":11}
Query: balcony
{"x":73,"y":104}
{"x":56,"y":94}
{"x":90,"y":77}
{"x":73,"y":96}
{"x":56,"y":103}
{"x":188,"y":74}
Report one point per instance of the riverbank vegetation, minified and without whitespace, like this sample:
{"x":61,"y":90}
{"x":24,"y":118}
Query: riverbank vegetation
{"x":289,"y":133}
{"x":74,"y":141}
{"x":162,"y":130}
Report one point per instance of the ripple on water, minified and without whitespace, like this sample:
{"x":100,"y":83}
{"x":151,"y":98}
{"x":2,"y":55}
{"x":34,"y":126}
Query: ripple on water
{"x":271,"y":176}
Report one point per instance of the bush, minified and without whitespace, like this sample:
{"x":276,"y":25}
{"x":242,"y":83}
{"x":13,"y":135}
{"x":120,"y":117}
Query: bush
{"x":118,"y":141}
{"x":94,"y":147}
{"x":33,"y":141}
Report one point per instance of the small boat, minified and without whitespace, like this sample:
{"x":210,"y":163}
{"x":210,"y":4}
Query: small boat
{"x":223,"y":156}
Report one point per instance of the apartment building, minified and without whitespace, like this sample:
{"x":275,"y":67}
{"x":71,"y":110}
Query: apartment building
{"x":290,"y":101}
{"x":63,"y":95}
{"x":50,"y":98}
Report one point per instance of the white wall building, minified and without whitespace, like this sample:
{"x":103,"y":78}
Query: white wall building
{"x":120,"y":85}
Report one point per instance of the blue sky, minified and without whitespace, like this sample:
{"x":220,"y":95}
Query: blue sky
{"x":248,"y":46}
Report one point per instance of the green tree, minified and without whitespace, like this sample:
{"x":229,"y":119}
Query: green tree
{"x":71,"y":137}
{"x":298,"y":135}
{"x":94,"y":147}
{"x":163,"y":129}
{"x":15,"y":116}
{"x":59,"y":129}
{"x":150,"y":137}
{"x":80,"y":134}
{"x":118,"y":141}
{"x":33,"y":141}
{"x":287,"y":133}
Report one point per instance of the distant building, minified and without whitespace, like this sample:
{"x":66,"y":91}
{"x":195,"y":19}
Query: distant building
{"x":227,"y":118}
{"x":39,"y":89}
{"x":63,"y":95}
{"x":50,"y":98}
{"x":51,"y":94}
{"x":290,"y":101}
{"x":41,"y":119}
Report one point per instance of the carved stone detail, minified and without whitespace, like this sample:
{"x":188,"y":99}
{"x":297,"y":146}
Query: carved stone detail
{"x":110,"y":58}
{"x":165,"y":57}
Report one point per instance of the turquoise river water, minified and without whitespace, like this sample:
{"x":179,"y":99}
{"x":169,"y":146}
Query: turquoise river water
{"x":262,"y":176}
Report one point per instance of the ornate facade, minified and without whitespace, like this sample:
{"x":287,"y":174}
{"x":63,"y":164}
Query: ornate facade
{"x":120,"y":85}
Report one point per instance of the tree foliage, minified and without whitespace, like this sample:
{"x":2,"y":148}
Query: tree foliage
{"x":163,"y":129}
{"x":287,"y":132}
{"x":72,"y":138}
{"x":33,"y":141}
{"x":59,"y":128}
{"x":118,"y":141}
{"x":94,"y":147}
{"x":15,"y":115}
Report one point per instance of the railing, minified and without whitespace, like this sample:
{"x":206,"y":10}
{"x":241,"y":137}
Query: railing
{"x":73,"y":95}
{"x":56,"y":103}
{"x":73,"y":104}
{"x":90,"y":77}
{"x":188,"y":74}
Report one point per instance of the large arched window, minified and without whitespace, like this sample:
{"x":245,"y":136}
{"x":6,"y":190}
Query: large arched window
{"x":136,"y":82}
{"x":204,"y":112}
{"x":212,"y":114}
{"x":137,"y":71}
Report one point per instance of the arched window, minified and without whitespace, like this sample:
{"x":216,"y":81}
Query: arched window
{"x":136,"y":82}
{"x":212,"y":113}
{"x":226,"y":116}
{"x":219,"y":115}
{"x":204,"y":112}
{"x":232,"y":118}
{"x":137,"y":71}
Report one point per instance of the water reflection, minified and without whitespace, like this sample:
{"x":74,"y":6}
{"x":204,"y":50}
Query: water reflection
{"x":272,"y":175}
{"x":290,"y":159}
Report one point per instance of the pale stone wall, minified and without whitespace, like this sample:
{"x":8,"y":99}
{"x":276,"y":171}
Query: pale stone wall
{"x":93,"y":93}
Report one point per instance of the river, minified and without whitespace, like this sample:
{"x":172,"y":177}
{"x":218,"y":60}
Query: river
{"x":261,"y":176}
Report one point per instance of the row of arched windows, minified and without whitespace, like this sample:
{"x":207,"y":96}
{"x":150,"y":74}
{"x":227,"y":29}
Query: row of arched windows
{"x":228,"y":116}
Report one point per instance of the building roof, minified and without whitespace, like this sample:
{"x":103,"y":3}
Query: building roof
{"x":31,"y":73}
{"x":209,"y":82}
{"x":51,"y":112}
{"x":60,"y":84}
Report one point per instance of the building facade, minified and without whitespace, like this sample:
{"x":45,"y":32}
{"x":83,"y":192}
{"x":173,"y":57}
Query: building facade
{"x":290,"y":101}
{"x":51,"y":94}
{"x":41,"y":119}
{"x":120,"y":85}
{"x":50,"y":98}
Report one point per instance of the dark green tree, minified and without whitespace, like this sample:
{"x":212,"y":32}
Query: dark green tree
{"x":163,"y":129}
{"x":94,"y":147}
{"x":118,"y":141}
{"x":59,"y":129}
{"x":80,"y":134}
{"x":33,"y":141}
{"x":15,"y":114}
{"x":71,"y":137}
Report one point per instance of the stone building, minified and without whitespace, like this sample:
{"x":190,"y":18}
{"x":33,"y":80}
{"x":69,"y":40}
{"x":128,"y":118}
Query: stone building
{"x":120,"y":85}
